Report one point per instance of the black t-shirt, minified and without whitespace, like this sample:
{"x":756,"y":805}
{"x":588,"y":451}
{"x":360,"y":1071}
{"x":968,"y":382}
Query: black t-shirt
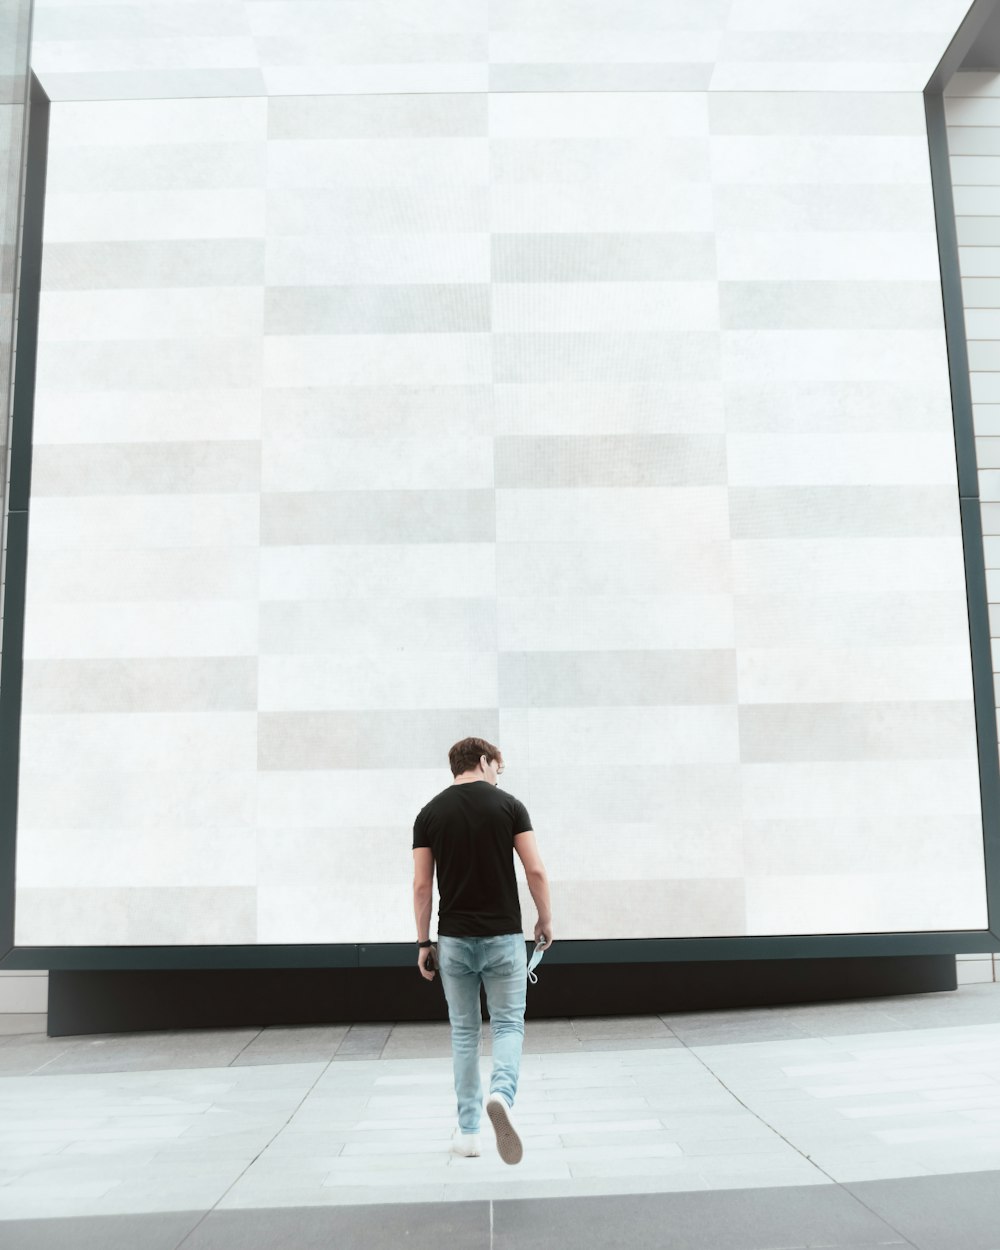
{"x":470,"y":829}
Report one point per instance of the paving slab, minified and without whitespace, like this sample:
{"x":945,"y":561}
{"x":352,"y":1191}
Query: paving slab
{"x":959,"y":1211}
{"x":163,"y":1231}
{"x":735,"y":1220}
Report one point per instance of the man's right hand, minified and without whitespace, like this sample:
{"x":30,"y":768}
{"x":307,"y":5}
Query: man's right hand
{"x":543,"y":931}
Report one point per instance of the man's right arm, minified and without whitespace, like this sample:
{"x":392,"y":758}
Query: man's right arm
{"x":538,"y":882}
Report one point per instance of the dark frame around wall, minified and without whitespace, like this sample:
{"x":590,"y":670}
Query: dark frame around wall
{"x":599,"y":951}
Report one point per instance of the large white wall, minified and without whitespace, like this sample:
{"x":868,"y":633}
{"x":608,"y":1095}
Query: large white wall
{"x":406,"y":372}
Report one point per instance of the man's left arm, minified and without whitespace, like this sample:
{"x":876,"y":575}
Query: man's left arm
{"x":423,"y":890}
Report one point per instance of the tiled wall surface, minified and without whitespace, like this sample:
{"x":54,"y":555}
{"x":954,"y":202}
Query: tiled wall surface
{"x":972,"y":109}
{"x":418,"y":376}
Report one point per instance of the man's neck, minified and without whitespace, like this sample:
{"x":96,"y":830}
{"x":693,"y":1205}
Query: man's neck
{"x":464,"y":778}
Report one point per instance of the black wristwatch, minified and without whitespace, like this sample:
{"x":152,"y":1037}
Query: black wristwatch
{"x":423,"y":944}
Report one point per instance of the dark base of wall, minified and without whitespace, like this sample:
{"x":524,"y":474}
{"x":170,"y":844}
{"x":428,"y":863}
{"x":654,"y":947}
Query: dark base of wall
{"x":119,"y":1002}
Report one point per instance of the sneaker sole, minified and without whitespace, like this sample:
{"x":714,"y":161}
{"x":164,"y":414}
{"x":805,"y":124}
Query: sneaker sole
{"x":508,"y":1143}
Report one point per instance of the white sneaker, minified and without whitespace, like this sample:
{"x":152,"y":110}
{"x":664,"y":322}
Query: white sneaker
{"x":466,"y":1145}
{"x":508,"y":1142}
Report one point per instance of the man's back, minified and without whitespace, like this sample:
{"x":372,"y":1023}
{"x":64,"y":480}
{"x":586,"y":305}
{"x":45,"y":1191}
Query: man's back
{"x":470,"y":830}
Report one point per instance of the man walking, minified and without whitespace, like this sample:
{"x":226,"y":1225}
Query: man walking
{"x":470,"y":831}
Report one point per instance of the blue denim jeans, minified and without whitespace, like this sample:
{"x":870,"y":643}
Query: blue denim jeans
{"x":500,"y":963}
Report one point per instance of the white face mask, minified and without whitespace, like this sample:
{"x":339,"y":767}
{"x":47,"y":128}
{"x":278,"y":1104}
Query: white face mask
{"x":536,"y":959}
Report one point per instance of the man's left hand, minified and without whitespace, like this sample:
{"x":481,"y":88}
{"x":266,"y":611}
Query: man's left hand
{"x":422,"y":962}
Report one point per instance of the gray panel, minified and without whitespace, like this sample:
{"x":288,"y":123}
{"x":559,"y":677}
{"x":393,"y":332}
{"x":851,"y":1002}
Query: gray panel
{"x":626,"y":795}
{"x":631,"y":15}
{"x":345,"y":626}
{"x":145,"y":468}
{"x":136,"y":574}
{"x":167,"y":167}
{"x":664,"y":161}
{"x":327,"y":117}
{"x":370,"y":739}
{"x":602,"y":257}
{"x":153,"y":263}
{"x":812,"y":406}
{"x":618,"y":358}
{"x":216,"y":683}
{"x":804,"y":305}
{"x":58,"y":23}
{"x":857,"y":731}
{"x":841,"y":511}
{"x":418,"y":309}
{"x":848,"y":620}
{"x":665,"y":76}
{"x":168,"y":364}
{"x":716,"y":905}
{"x":154,"y":84}
{"x":377,"y":516}
{"x":814,"y":113}
{"x":141,"y":916}
{"x":428,"y":410}
{"x":616,"y":678}
{"x":822,"y":207}
{"x":378,"y":210}
{"x":611,"y":460}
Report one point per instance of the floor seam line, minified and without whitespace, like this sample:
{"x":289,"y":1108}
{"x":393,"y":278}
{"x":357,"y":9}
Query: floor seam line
{"x":259,"y":1033}
{"x":269,"y":1142}
{"x":833,"y":1181}
{"x":758,"y":1116}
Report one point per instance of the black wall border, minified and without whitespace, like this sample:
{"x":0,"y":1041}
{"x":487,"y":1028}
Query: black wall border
{"x":387,"y":955}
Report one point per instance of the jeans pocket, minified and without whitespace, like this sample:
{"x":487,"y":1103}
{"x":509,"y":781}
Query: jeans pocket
{"x":450,"y":958}
{"x":504,"y":955}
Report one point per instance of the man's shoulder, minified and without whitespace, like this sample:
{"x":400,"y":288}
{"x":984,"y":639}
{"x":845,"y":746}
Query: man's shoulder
{"x":442,"y":796}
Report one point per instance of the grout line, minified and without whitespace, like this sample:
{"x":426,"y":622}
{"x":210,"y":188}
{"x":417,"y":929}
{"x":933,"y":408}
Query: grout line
{"x":841,"y":1185}
{"x":229,"y":1187}
{"x":243,"y":1048}
{"x":758,"y":1116}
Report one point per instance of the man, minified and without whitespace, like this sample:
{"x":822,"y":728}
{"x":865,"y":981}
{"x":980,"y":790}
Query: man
{"x":470,"y":831}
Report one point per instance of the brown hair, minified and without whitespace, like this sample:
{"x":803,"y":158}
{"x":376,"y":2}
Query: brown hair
{"x":464,"y":756}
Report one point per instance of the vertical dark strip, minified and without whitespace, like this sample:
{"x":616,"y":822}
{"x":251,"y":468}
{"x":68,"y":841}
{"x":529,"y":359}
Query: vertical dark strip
{"x":12,"y":663}
{"x":951,"y":293}
{"x":968,"y":491}
{"x":28,"y":299}
{"x":985,"y":702}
